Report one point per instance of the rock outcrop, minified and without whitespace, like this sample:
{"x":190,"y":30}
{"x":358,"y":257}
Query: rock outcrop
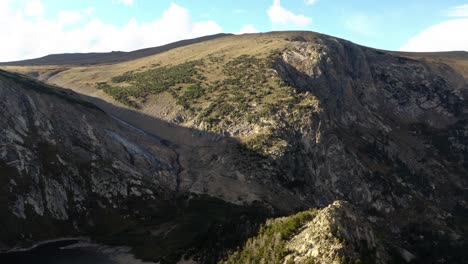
{"x":336,"y":234}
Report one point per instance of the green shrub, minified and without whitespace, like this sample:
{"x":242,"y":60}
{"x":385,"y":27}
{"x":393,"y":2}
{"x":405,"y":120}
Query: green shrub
{"x":121,"y":94}
{"x":193,"y":92}
{"x":126,"y":77}
{"x":152,"y":81}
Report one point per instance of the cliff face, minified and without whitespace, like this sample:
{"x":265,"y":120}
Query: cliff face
{"x":391,"y":138}
{"x":61,"y":158}
{"x":386,"y":122}
{"x":290,"y":120}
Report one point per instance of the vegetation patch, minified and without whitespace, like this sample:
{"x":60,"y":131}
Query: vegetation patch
{"x":190,"y":94}
{"x":121,"y":94}
{"x":131,"y":88}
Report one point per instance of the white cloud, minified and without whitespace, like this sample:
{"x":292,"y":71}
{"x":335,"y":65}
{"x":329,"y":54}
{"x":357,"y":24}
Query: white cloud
{"x":31,"y":37}
{"x":280,"y":16}
{"x":90,"y":10}
{"x":125,"y":2}
{"x":247,"y":29}
{"x":445,"y":36}
{"x":34,"y":8}
{"x":310,"y":2}
{"x":458,"y":11}
{"x":5,"y":8}
{"x":66,"y":17}
{"x":360,"y":24}
{"x":203,"y":29}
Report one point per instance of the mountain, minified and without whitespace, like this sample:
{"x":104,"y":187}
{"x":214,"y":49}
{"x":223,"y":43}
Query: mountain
{"x":266,"y":125}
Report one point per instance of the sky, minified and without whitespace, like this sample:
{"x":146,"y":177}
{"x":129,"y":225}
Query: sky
{"x":35,"y":28}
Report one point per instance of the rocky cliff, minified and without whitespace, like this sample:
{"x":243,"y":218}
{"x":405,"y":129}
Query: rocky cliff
{"x":61,"y":158}
{"x":289,"y":121}
{"x":392,"y":139}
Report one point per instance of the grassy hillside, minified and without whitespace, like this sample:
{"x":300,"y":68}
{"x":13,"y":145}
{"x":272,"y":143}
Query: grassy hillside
{"x":210,"y":85}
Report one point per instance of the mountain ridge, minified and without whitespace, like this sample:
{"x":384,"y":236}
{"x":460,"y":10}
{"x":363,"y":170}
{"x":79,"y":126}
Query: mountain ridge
{"x":107,"y":57}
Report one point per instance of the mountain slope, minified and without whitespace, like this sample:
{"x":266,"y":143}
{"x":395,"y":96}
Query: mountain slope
{"x":298,"y":120}
{"x":104,"y":57}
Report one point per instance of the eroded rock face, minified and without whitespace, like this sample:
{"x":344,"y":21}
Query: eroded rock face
{"x":61,"y":157}
{"x":371,"y":93}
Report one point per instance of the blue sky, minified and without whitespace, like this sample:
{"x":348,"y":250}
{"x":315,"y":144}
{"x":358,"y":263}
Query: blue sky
{"x":39,"y":27}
